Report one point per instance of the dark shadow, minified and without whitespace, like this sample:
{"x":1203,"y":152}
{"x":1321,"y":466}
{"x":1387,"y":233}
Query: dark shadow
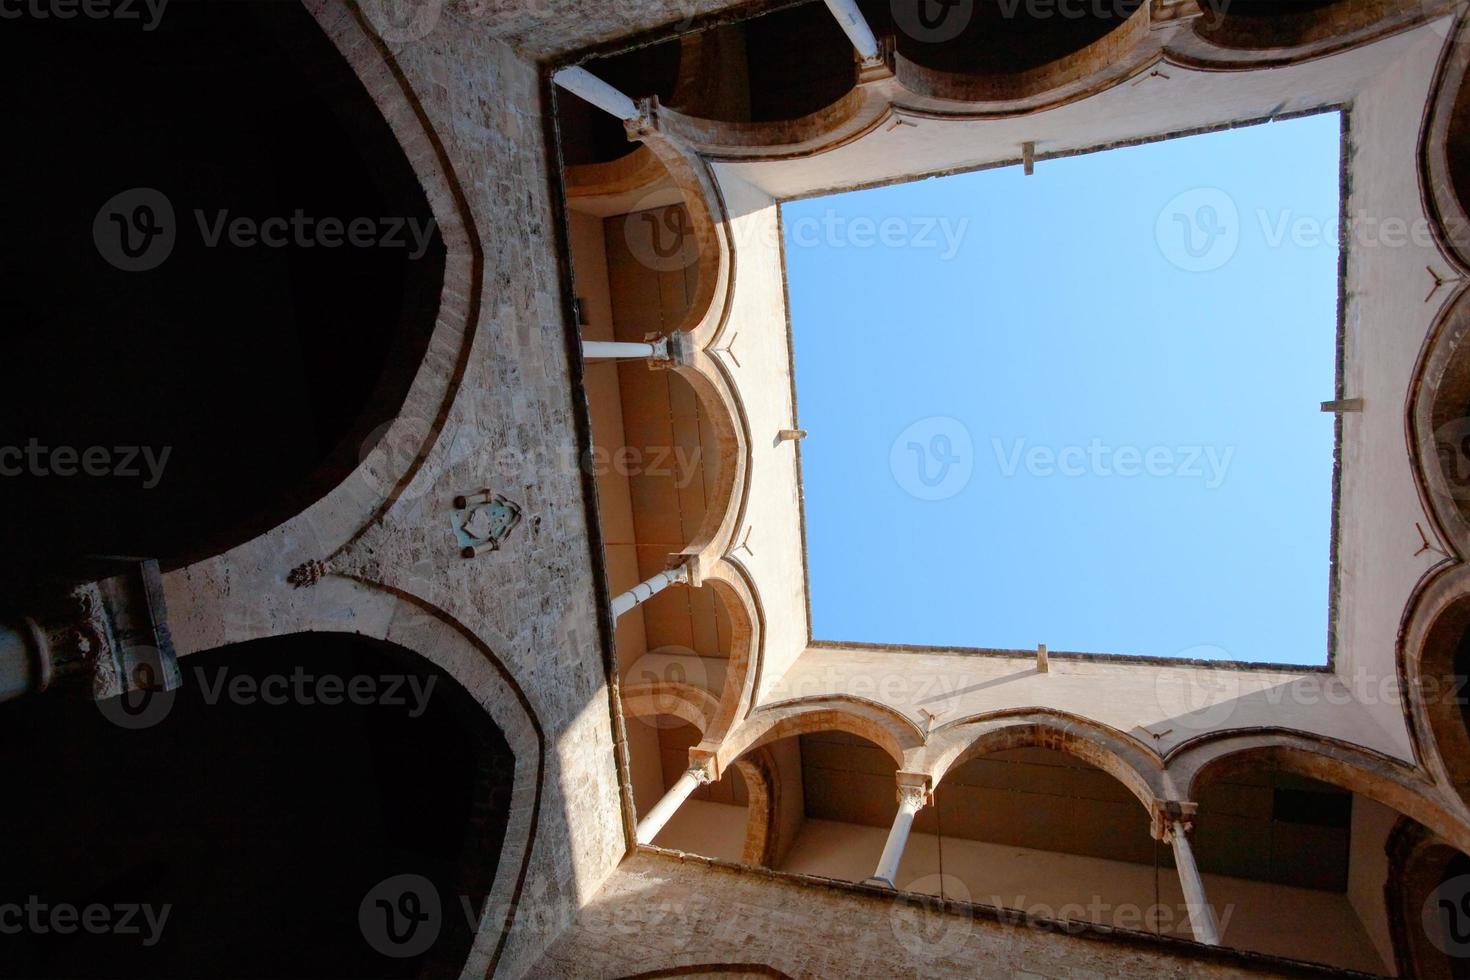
{"x":264,"y":366}
{"x":262,"y":822}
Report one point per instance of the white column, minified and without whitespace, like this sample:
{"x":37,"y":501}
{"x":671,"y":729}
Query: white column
{"x":644,"y":591}
{"x":600,"y":350}
{"x":581,"y":82}
{"x":855,"y":27}
{"x":650,"y":825}
{"x":911,"y":800}
{"x":1201,"y":915}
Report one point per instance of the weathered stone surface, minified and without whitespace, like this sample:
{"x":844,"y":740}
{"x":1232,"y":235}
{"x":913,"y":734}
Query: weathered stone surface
{"x":543,"y":28}
{"x":658,"y":912}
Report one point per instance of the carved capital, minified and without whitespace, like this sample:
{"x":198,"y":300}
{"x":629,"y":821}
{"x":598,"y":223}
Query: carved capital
{"x":914,"y":791}
{"x":704,"y":765}
{"x":1167,"y":813}
{"x":645,"y":124}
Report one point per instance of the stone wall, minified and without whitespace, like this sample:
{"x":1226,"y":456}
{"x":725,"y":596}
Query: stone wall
{"x":494,"y":406}
{"x":546,"y":28}
{"x":659,"y":912}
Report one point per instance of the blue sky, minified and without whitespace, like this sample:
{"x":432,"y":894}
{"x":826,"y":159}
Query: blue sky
{"x":1079,"y":408}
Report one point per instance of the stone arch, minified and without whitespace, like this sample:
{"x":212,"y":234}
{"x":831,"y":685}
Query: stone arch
{"x":1137,"y":768}
{"x":708,"y":221}
{"x":1439,"y":423}
{"x":1444,"y":143}
{"x":389,"y":469}
{"x":725,"y":412}
{"x":884,"y":727}
{"x":1002,"y":59}
{"x":1249,"y":34}
{"x":403,"y":448}
{"x":1418,"y":861}
{"x":735,"y":589}
{"x":419,"y":627}
{"x":1434,"y":659}
{"x":763,"y":789}
{"x":1399,"y":787}
{"x":367,"y":114}
{"x":686,"y":702}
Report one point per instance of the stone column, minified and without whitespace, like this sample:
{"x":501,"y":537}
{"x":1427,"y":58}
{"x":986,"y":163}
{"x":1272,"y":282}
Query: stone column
{"x":644,"y":591}
{"x":853,"y":24}
{"x":913,"y":794}
{"x":605,"y":350}
{"x":585,"y":85}
{"x":1201,"y":914}
{"x":664,"y":809}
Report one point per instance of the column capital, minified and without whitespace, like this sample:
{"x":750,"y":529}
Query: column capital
{"x":704,"y":765}
{"x":913,"y":790}
{"x":878,"y":68}
{"x":1168,"y":813}
{"x":674,"y":350}
{"x":645,"y":123}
